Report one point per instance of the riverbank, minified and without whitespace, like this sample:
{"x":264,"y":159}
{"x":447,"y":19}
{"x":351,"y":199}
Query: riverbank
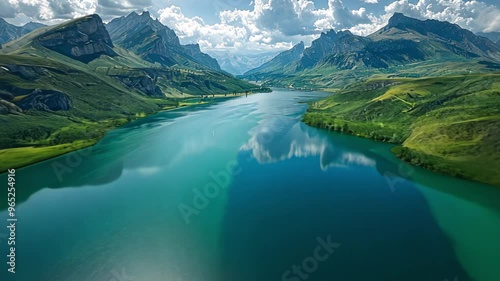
{"x":444,"y":124}
{"x":89,"y":134}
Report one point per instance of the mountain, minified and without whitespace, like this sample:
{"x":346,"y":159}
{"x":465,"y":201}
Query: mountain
{"x":406,"y":46}
{"x":493,"y":36}
{"x":328,"y":43}
{"x":63,"y":87}
{"x":195,"y":52}
{"x":84,"y":39}
{"x":403,"y":40}
{"x":9,"y":32}
{"x":280,"y":61}
{"x":429,"y":86}
{"x":157,"y":43}
{"x":444,"y":36}
{"x":237,"y":64}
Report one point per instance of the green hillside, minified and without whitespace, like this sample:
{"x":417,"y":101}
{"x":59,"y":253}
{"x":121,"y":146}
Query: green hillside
{"x":447,"y":124}
{"x":59,"y":93}
{"x":405,"y":47}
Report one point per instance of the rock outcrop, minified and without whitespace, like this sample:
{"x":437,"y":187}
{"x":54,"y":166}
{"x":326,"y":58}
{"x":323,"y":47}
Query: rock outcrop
{"x":83,"y":39}
{"x":26,"y":72}
{"x":46,"y":100}
{"x":7,"y":107}
{"x":144,"y":83}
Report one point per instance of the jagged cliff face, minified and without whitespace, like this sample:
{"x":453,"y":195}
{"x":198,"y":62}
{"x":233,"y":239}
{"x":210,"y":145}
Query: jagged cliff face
{"x":83,"y":39}
{"x":155,"y":42}
{"x":124,"y":30}
{"x":318,"y":50}
{"x":195,"y":52}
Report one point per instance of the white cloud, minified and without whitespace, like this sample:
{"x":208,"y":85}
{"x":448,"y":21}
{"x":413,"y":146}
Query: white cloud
{"x":53,"y":11}
{"x":266,"y":24}
{"x":474,"y":15}
{"x":237,"y":30}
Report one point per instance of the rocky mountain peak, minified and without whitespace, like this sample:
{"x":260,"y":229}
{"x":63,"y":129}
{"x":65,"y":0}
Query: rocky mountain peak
{"x":329,"y":34}
{"x":83,"y":39}
{"x":456,"y":36}
{"x":193,"y":47}
{"x":156,"y":42}
{"x":299,"y":47}
{"x":344,"y":33}
{"x":399,"y":20}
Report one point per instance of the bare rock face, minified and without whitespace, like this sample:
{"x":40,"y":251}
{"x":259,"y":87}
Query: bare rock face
{"x":145,"y":83}
{"x":25,"y":71}
{"x":7,"y":107}
{"x":156,"y":42}
{"x":83,"y":39}
{"x":46,"y":100}
{"x":195,"y":52}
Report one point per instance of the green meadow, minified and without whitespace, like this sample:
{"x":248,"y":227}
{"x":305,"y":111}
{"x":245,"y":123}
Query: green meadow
{"x":447,"y":124}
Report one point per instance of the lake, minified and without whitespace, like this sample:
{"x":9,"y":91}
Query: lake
{"x":243,"y":190}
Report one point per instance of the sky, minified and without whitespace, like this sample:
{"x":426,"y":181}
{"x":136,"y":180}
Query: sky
{"x":245,"y":26}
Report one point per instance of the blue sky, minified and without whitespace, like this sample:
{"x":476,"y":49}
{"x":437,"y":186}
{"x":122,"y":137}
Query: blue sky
{"x":261,"y":25}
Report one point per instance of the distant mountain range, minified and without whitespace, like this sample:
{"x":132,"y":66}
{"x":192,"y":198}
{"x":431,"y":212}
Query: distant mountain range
{"x":237,"y":63}
{"x":280,"y":61}
{"x":402,"y":42}
{"x":493,"y":36}
{"x":9,"y":32}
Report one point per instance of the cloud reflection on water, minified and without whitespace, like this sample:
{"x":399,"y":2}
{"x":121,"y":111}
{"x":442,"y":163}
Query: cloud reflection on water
{"x":286,"y":138}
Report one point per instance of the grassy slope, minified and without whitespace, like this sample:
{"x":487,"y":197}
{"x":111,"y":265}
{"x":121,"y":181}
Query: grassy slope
{"x":100,"y":102}
{"x":447,"y":124}
{"x":327,"y":76}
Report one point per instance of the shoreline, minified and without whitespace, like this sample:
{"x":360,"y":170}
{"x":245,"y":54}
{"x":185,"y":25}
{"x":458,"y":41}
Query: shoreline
{"x":43,"y":153}
{"x":408,"y":155}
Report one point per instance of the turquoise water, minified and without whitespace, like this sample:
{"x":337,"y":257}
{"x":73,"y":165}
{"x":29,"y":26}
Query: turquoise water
{"x":242,"y":190}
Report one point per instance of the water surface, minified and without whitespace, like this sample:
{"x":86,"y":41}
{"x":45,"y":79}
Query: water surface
{"x":242,"y":190}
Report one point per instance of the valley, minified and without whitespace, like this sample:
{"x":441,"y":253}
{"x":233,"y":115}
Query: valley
{"x":148,"y":142}
{"x":430,"y":87}
{"x":63,"y":87}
